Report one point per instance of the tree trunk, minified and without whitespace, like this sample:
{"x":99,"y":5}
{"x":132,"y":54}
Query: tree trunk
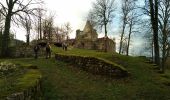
{"x":163,"y":54}
{"x":122,"y":35}
{"x":129,"y":38}
{"x":164,"y":43}
{"x":6,"y":35}
{"x":165,"y":51}
{"x":28,"y":37}
{"x":157,"y":59}
{"x":0,"y":41}
{"x":40,"y":30}
{"x":152,"y":52}
{"x":105,"y":29}
{"x":154,"y":21}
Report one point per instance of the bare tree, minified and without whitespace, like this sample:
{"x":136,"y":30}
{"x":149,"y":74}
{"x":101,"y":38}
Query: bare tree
{"x":68,"y":30}
{"x":48,"y":27}
{"x":153,"y":9}
{"x":26,"y":23}
{"x":159,"y":12}
{"x":132,"y":22}
{"x":11,"y":9}
{"x":37,"y":22}
{"x":57,"y":34}
{"x":124,"y":46}
{"x":147,"y":28}
{"x":127,"y":7}
{"x":103,"y":14}
{"x":39,"y":14}
{"x":148,"y":38}
{"x":91,"y":18}
{"x":164,"y":23}
{"x":62,"y":33}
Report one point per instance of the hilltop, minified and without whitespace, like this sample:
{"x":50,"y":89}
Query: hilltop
{"x":62,"y":80}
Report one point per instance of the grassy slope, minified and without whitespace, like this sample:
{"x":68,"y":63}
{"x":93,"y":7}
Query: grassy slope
{"x":63,"y":81}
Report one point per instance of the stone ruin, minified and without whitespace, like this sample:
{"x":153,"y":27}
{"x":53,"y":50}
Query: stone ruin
{"x":88,"y":39}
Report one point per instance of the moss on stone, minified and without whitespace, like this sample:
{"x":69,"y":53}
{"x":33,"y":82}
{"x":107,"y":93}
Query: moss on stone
{"x":94,"y":65}
{"x":18,"y":82}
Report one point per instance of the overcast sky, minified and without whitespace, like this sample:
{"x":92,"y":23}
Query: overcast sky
{"x":75,"y":12}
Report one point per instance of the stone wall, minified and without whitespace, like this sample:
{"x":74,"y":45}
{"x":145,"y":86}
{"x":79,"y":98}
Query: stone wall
{"x":26,"y":51}
{"x":110,"y":44}
{"x":99,"y":44}
{"x":94,"y":65}
{"x":32,"y":93}
{"x":85,"y":44}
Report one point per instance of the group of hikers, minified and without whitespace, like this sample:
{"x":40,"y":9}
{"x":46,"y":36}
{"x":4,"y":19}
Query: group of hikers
{"x":47,"y":49}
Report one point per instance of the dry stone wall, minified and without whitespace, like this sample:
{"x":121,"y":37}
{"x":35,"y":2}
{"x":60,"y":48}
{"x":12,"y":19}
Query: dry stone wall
{"x":94,"y":65}
{"x":32,"y":93}
{"x":26,"y":51}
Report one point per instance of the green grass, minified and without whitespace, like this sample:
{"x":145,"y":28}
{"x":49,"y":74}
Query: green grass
{"x":108,"y":56}
{"x":80,"y":52}
{"x":66,"y":82}
{"x":29,"y":79}
{"x":18,"y":81}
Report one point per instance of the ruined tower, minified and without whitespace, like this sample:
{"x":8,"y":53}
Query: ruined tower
{"x":88,"y":32}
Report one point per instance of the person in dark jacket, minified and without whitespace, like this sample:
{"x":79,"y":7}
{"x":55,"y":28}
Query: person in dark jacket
{"x":48,"y":51}
{"x":36,"y":49}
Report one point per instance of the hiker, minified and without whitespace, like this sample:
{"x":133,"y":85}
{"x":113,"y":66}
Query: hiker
{"x":36,"y":49}
{"x":48,"y":51}
{"x":64,"y":46}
